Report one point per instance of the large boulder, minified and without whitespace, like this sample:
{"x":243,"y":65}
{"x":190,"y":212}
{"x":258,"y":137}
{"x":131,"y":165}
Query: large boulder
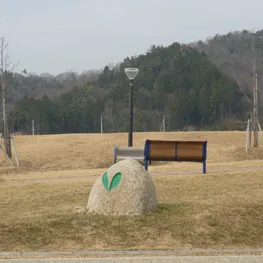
{"x":126,"y":188}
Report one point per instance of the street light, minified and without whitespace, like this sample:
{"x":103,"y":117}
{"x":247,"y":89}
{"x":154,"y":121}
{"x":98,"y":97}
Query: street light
{"x":131,"y":73}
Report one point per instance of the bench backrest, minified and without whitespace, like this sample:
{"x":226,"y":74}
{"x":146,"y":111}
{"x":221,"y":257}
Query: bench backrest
{"x":157,"y":150}
{"x":128,"y":152}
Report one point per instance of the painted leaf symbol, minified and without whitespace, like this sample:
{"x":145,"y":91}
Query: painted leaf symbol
{"x":115,"y":181}
{"x":105,"y":180}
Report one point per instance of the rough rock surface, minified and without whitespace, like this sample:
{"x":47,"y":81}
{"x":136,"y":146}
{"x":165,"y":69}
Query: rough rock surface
{"x":126,"y":188}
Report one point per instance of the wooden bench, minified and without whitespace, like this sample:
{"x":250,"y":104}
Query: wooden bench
{"x":180,"y":151}
{"x":128,"y":152}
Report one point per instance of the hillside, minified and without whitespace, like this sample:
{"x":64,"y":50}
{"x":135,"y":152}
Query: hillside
{"x":233,"y":54}
{"x":175,"y":81}
{"x":38,"y":86}
{"x":203,"y":85}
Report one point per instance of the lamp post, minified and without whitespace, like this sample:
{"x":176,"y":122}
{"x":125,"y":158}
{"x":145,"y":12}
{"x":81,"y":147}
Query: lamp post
{"x":131,"y":73}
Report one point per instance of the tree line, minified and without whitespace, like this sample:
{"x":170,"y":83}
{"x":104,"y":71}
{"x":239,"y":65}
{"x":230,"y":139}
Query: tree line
{"x":176,"y":81}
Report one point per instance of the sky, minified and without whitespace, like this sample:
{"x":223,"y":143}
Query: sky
{"x":55,"y":36}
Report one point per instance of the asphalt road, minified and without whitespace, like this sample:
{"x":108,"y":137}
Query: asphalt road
{"x":169,"y":259}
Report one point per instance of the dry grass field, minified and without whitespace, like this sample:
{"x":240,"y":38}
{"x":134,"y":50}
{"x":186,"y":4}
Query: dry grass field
{"x":42,"y":204}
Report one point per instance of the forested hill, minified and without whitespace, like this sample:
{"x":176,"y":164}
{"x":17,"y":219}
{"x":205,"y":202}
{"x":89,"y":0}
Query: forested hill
{"x":233,"y":54}
{"x":177,"y":81}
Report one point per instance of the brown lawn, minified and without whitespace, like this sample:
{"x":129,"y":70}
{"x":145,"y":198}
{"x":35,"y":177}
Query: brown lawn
{"x":42,"y":204}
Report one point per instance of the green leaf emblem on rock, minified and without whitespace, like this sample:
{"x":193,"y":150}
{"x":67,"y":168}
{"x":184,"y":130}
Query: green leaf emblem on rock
{"x":105,"y":180}
{"x":114,"y":182}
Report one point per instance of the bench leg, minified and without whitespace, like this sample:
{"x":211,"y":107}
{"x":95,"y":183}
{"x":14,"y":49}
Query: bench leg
{"x":204,"y":167}
{"x":146,"y":164}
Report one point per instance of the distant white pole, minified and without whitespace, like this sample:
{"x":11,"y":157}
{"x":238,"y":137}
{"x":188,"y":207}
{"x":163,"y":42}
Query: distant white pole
{"x":259,"y":127}
{"x":33,"y":127}
{"x":161,"y":129}
{"x":247,"y":143}
{"x":248,"y":140}
{"x":164,"y":123}
{"x":101,"y":124}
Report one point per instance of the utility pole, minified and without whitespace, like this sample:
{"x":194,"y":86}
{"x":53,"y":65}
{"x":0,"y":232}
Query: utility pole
{"x":255,"y":95}
{"x":254,"y":123}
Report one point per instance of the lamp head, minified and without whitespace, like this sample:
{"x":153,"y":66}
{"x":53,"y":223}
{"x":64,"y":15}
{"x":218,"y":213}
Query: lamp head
{"x":131,"y":73}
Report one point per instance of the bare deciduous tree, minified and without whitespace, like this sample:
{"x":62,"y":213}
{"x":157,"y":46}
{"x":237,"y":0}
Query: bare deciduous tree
{"x":5,"y":67}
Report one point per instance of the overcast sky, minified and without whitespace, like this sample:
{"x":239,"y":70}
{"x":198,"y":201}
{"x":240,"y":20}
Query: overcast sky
{"x":62,"y":35}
